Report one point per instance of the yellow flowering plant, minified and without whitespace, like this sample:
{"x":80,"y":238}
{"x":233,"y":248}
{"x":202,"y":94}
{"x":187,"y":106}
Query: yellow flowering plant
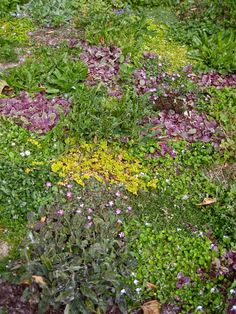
{"x":107,"y":164}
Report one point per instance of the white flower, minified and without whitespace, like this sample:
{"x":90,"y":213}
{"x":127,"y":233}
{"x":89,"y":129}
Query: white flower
{"x":233,"y":308}
{"x":27,"y":153}
{"x":199,"y":308}
{"x":138,"y":290}
{"x":13,"y":144}
{"x":185,"y":197}
{"x":213,"y":290}
{"x":22,"y":154}
{"x":111,"y":203}
{"x":232,"y":291}
{"x":123,"y":291}
{"x":135,"y":281}
{"x":133,"y":274}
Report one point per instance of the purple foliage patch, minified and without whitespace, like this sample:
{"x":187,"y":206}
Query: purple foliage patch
{"x":167,"y":91}
{"x":191,"y":126}
{"x":103,"y":65}
{"x":182,"y":280}
{"x":217,"y":80}
{"x":35,"y":114}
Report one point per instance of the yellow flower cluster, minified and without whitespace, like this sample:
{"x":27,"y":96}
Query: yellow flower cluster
{"x":34,"y":142}
{"x":106,"y":164}
{"x":173,"y":52}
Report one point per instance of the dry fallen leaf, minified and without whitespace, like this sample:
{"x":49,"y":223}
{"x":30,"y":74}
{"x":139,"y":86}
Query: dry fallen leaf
{"x":5,"y":88}
{"x":151,"y":285}
{"x":207,"y":201}
{"x":43,"y":219}
{"x":39,"y":280}
{"x":151,"y":307}
{"x":102,"y":40}
{"x":120,"y":157}
{"x":25,"y":282}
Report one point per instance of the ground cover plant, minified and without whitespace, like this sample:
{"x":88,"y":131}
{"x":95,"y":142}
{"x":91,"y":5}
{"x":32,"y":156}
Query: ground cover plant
{"x":117,"y":157}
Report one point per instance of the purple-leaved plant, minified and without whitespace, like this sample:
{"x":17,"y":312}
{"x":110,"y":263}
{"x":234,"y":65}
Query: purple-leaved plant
{"x":103,"y":65}
{"x":37,"y":113}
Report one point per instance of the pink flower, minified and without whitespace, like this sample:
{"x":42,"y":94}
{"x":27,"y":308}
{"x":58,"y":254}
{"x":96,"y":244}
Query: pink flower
{"x":118,"y":211}
{"x":81,"y":205}
{"x":69,"y":186}
{"x":90,"y":217}
{"x":121,"y":235}
{"x":78,"y":211}
{"x":48,"y":184}
{"x":118,"y":194}
{"x":69,"y":195}
{"x":129,"y":208}
{"x":89,"y":224}
{"x":90,"y":210}
{"x":60,"y":212}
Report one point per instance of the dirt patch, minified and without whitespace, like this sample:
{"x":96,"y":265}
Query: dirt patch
{"x":55,"y":36}
{"x":11,"y":300}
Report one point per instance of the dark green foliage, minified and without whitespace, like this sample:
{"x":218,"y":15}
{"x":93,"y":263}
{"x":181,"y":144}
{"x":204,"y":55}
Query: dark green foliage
{"x":95,"y":114}
{"x":7,"y":6}
{"x":7,"y":51}
{"x":80,"y":255}
{"x":54,"y":12}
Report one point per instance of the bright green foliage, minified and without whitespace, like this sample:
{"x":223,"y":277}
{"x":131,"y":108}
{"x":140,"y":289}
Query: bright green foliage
{"x":52,"y":71}
{"x":163,"y":255}
{"x":16,"y":30}
{"x":216,"y":51}
{"x":174,"y":53}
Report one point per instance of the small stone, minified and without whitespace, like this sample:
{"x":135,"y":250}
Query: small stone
{"x":4,"y":249}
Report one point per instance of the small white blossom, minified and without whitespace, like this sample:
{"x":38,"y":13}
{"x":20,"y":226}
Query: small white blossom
{"x":22,"y":154}
{"x":133,"y":274}
{"x":199,"y":308}
{"x":213,"y":290}
{"x":233,"y":308}
{"x":27,"y":153}
{"x":13,"y":144}
{"x":138,"y":290}
{"x":232,"y":291}
{"x":123,"y":291}
{"x":135,"y":281}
